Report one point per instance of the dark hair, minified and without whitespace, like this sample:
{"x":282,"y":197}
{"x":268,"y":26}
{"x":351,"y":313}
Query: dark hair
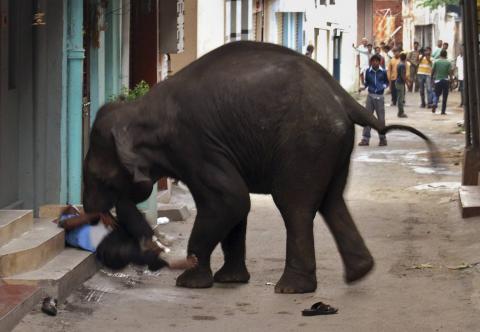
{"x":416,"y":43}
{"x":403,"y":57}
{"x":310,"y":48}
{"x":369,"y":45}
{"x":376,"y":57}
{"x":428,"y":48}
{"x":445,"y":44}
{"x":387,"y":48}
{"x":443,"y":54}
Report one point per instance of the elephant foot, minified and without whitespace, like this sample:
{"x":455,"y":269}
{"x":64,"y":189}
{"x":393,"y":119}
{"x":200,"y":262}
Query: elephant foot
{"x":232,"y":274}
{"x":198,"y":277}
{"x":359,"y":269}
{"x":295,"y":283}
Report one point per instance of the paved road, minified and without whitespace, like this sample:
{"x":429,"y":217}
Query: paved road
{"x":407,"y":215}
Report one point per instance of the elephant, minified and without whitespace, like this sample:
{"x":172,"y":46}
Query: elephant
{"x":245,"y":118}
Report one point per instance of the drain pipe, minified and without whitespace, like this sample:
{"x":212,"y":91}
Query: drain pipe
{"x":75,"y":56}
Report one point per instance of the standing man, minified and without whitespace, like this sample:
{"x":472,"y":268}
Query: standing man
{"x":438,"y":49}
{"x":384,"y":53}
{"x":392,"y":75}
{"x":424,"y":77}
{"x":460,"y":74}
{"x":364,"y":53}
{"x":400,"y":82}
{"x":441,"y":73}
{"x":413,"y":58}
{"x":376,"y":82}
{"x":378,"y":50}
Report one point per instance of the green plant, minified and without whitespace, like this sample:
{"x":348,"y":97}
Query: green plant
{"x":127,"y":94}
{"x":434,"y":4}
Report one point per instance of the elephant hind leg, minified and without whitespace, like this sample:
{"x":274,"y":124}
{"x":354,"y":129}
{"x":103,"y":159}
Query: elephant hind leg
{"x":356,"y":257}
{"x":234,"y":269}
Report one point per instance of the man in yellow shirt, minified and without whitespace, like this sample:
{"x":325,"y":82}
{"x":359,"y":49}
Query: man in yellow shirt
{"x":392,"y":74}
{"x":424,"y":77}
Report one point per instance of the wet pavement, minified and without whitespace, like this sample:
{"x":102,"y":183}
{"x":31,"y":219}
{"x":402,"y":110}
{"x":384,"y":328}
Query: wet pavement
{"x":408,"y":213}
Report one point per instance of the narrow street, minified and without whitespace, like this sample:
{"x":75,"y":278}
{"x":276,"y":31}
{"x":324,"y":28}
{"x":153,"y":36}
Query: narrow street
{"x":410,"y":219}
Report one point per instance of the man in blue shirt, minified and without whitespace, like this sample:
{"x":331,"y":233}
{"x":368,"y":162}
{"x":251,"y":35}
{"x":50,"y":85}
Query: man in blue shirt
{"x":376,"y":81}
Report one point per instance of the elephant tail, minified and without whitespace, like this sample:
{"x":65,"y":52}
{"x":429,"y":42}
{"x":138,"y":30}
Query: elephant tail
{"x":360,"y":116}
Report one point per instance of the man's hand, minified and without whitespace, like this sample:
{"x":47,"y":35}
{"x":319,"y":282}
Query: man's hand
{"x":108,"y":220}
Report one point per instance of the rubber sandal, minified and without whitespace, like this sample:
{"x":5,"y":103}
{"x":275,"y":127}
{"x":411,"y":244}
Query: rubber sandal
{"x":319,"y":308}
{"x":49,"y":306}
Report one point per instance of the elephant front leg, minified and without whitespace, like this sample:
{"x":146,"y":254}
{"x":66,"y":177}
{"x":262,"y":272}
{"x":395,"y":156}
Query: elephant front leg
{"x":133,"y":221}
{"x":233,"y":246}
{"x":206,"y":234}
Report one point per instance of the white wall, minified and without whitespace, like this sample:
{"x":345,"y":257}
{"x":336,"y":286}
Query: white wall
{"x":210,"y":25}
{"x":342,"y":15}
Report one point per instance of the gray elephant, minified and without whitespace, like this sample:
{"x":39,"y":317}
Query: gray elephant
{"x":245,"y":118}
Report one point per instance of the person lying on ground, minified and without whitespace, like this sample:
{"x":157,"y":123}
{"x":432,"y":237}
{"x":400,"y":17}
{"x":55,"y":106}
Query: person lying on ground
{"x":113,"y":246}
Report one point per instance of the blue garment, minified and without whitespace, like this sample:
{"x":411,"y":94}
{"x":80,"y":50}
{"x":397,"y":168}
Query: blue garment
{"x":78,"y":237}
{"x":376,"y":80}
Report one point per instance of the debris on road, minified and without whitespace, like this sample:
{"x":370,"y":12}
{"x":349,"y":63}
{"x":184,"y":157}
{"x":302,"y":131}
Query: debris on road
{"x":319,"y":308}
{"x":270,"y":284}
{"x":463,"y":266}
{"x":421,"y":266}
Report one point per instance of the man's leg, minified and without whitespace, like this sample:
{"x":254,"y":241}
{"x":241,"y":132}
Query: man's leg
{"x":428,"y":82}
{"x":436,"y":95}
{"x":366,"y":130}
{"x":421,"y":81}
{"x":412,"y":73}
{"x":446,"y":90}
{"x":400,"y":99}
{"x":415,"y":78}
{"x":394,"y":92}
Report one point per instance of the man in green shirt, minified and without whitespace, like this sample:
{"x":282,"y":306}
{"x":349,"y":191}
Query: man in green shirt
{"x":441,"y":75}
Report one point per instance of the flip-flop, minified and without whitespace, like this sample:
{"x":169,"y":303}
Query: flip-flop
{"x":49,"y":306}
{"x":319,"y":308}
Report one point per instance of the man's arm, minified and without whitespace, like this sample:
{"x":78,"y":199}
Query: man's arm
{"x":74,"y":222}
{"x":386,"y":82}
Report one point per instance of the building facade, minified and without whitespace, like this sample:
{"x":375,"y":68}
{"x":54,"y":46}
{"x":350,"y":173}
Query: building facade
{"x":427,"y":26}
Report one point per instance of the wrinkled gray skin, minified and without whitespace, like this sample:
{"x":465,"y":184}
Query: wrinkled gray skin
{"x":245,"y":118}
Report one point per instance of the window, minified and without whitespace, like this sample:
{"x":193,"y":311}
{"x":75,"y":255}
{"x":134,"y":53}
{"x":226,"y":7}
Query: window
{"x":332,"y":2}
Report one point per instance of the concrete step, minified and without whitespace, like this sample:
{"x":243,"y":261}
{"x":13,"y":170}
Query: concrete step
{"x":61,"y":275}
{"x":15,"y":302}
{"x":32,"y":249}
{"x":13,"y":223}
{"x":469,"y":201}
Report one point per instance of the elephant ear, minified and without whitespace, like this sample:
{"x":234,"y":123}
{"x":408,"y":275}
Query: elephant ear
{"x":132,"y":162}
